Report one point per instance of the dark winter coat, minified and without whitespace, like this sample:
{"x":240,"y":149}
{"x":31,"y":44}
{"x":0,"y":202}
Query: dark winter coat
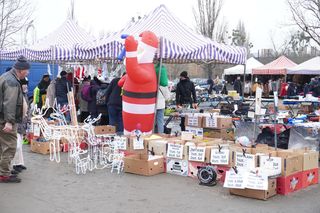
{"x":185,"y":92}
{"x":62,"y":90}
{"x":114,"y":94}
{"x":92,"y":105}
{"x":211,"y":84}
{"x":237,"y":86}
{"x":11,"y":98}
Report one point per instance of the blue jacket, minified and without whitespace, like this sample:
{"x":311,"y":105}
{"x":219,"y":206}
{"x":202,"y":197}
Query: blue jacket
{"x":62,"y":88}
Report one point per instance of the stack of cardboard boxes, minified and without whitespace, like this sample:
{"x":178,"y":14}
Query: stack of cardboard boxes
{"x":299,"y":170}
{"x":210,"y":125}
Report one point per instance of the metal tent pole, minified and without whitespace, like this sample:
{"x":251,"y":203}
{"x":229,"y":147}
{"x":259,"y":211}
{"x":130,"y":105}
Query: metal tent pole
{"x":244,"y":79}
{"x":158,"y":85}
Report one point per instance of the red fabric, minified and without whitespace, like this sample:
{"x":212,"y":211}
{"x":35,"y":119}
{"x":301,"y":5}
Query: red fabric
{"x":283,"y":89}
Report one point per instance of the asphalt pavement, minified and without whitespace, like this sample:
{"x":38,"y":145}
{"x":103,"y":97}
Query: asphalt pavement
{"x":49,"y":187}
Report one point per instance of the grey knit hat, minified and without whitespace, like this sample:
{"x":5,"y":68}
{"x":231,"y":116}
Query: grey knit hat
{"x":22,"y":63}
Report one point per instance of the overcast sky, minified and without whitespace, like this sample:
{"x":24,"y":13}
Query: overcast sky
{"x":262,"y":18}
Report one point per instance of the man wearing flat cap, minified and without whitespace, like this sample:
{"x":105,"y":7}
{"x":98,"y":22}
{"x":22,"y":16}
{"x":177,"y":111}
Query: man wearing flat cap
{"x":11,"y":113}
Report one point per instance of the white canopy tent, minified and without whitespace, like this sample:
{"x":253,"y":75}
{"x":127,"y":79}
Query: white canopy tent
{"x":310,"y":67}
{"x":239,"y":69}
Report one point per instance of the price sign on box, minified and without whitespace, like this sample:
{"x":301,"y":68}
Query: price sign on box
{"x":198,"y":132}
{"x":211,"y":122}
{"x":235,"y":180}
{"x":220,"y":157}
{"x":36,"y":130}
{"x":271,"y":164}
{"x":257,"y":181}
{"x":246,"y":161}
{"x":193,"y":120}
{"x":121,"y":143}
{"x":197,"y":153}
{"x":138,"y":143}
{"x":175,"y":151}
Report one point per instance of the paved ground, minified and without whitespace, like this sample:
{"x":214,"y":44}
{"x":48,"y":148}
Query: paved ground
{"x":49,"y":187}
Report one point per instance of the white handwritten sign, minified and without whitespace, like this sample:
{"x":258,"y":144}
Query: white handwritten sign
{"x":36,"y":130}
{"x":193,"y":120}
{"x":271,"y":165}
{"x":197,"y":153}
{"x":246,"y":161}
{"x":211,"y":122}
{"x":121,"y":142}
{"x":138,"y":143}
{"x":220,"y":157}
{"x":198,"y":132}
{"x":235,"y":180}
{"x":186,"y":136}
{"x":257,"y":181}
{"x":175,"y":151}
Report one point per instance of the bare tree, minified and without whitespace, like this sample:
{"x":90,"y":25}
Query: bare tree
{"x":240,"y":37}
{"x":306,"y":15}
{"x":279,"y":50}
{"x":14,"y":16}
{"x":206,"y":16}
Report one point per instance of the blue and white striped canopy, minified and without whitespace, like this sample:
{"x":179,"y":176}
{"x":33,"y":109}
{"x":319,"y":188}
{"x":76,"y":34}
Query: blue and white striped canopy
{"x":58,"y":45}
{"x":178,"y":43}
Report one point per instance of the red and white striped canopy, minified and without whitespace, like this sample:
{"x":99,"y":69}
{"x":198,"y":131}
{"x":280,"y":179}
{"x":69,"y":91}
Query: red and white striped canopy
{"x":276,"y":67}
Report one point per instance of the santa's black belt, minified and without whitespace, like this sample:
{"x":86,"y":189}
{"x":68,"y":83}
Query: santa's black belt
{"x":140,"y":94}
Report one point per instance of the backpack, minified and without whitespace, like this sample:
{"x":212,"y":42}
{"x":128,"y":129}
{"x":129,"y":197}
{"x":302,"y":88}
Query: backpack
{"x":101,"y":99}
{"x":85,"y":93}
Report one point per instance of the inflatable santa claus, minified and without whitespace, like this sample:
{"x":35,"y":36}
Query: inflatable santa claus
{"x":139,"y":84}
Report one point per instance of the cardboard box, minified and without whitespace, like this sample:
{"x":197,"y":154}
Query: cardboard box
{"x":158,"y":147}
{"x":102,"y":130}
{"x":310,"y":177}
{"x":291,"y":162}
{"x":42,"y":147}
{"x":310,"y":159}
{"x":193,"y":168}
{"x":135,"y":165}
{"x":194,"y":120}
{"x":177,"y":167}
{"x":224,"y":134}
{"x":237,"y":148}
{"x":258,"y":194}
{"x":289,"y":184}
{"x":217,"y":122}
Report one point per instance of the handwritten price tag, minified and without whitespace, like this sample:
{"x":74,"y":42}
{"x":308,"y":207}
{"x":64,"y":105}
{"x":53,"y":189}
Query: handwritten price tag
{"x":175,"y":151}
{"x":271,"y":164}
{"x":193,"y":120}
{"x":121,"y":143}
{"x":197,"y":153}
{"x":257,"y":181}
{"x":246,"y":161}
{"x":138,"y":143}
{"x":235,"y":181}
{"x":211,"y":122}
{"x":220,"y":158}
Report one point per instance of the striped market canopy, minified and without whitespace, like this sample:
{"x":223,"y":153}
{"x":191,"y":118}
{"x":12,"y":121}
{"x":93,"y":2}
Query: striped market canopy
{"x":178,"y":43}
{"x":58,"y":45}
{"x":276,"y":67}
